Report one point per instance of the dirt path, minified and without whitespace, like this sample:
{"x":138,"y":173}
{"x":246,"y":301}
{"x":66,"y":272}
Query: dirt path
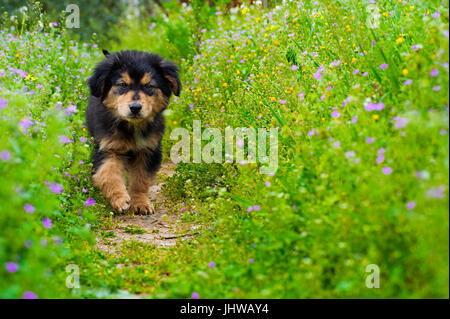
{"x":162,"y":229}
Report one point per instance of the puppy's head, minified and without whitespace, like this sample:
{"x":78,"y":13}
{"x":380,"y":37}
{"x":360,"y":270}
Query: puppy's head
{"x":134,"y":85}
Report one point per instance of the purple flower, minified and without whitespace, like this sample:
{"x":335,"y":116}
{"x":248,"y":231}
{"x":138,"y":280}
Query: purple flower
{"x":373,"y":42}
{"x":434,"y":72}
{"x":267,"y":184}
{"x":195,"y":295}
{"x":249,"y":209}
{"x":384,"y":66}
{"x":370,"y":140}
{"x":410,"y":205}
{"x":282,"y":101}
{"x":436,"y":15}
{"x":5,"y":156}
{"x":335,"y":114}
{"x":436,"y":192}
{"x":83,"y":139}
{"x":56,"y":188}
{"x":437,"y":88}
{"x":251,"y":261}
{"x":294,"y":67}
{"x":337,"y":144}
{"x":407,"y":82}
{"x":256,"y":208}
{"x":211,"y":264}
{"x":11,"y":267}
{"x":3,"y":103}
{"x":89,"y":202}
{"x":356,"y":71}
{"x":387,"y":170}
{"x":65,"y":140}
{"x":29,"y":295}
{"x":400,"y":122}
{"x":317,"y":75}
{"x":25,"y":123}
{"x":374,"y":106}
{"x":380,"y":159}
{"x":29,"y":208}
{"x":355,"y":119}
{"x":47,"y":223}
{"x":350,"y":154}
{"x":70,"y":110}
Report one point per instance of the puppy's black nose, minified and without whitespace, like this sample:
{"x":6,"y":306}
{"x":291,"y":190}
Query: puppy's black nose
{"x":135,"y":108}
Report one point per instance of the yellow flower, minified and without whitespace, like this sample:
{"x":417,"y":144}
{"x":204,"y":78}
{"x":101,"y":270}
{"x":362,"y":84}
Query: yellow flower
{"x":354,"y":60}
{"x":375,"y":116}
{"x":399,"y":40}
{"x":405,"y":72}
{"x":225,"y":85}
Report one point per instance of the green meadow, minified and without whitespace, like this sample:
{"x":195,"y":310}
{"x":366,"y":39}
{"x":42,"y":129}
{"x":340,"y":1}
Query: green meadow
{"x":358,"y":93}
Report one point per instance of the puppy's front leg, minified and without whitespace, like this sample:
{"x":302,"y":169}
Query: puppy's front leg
{"x":109,"y":177}
{"x":141,"y":178}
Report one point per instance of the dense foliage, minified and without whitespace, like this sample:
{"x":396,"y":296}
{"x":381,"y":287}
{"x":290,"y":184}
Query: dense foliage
{"x":361,"y":108}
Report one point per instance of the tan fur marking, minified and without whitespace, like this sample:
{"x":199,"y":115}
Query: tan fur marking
{"x":109,"y":178}
{"x":126,"y":77}
{"x":140,"y":182}
{"x":146,"y":79}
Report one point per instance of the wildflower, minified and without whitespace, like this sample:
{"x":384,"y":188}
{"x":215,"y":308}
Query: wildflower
{"x":3,"y":103}
{"x":384,"y":66}
{"x":405,"y":71}
{"x":317,"y":75}
{"x":251,"y":261}
{"x":380,"y":159}
{"x":11,"y":267}
{"x":407,"y":82}
{"x":399,"y":40}
{"x":410,"y":205}
{"x":294,"y":68}
{"x":335,"y":114}
{"x":5,"y":156}
{"x":25,"y":124}
{"x":195,"y":295}
{"x":211,"y":264}
{"x":56,"y":188}
{"x":47,"y":223}
{"x":65,"y":140}
{"x":354,"y":120}
{"x":400,"y":122}
{"x":436,"y":192}
{"x":437,"y":88}
{"x":249,"y":209}
{"x":387,"y":170}
{"x":434,"y":72}
{"x":282,"y":101}
{"x":29,"y":208}
{"x":83,"y":139}
{"x":267,"y":184}
{"x":89,"y":202}
{"x":356,"y":71}
{"x":370,"y":140}
{"x":337,"y":144}
{"x":29,"y":295}
{"x":256,"y":208}
{"x":350,"y":154}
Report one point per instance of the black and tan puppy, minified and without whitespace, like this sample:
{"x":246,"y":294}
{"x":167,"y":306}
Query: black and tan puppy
{"x":129,"y":91}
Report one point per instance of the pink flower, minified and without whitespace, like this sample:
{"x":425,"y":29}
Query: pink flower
{"x":387,"y":170}
{"x":380,"y":159}
{"x":5,"y":156}
{"x":434,"y":72}
{"x":195,"y":295}
{"x":12,"y":267}
{"x":354,"y":120}
{"x":29,"y":208}
{"x":256,"y":208}
{"x":400,"y":122}
{"x":55,"y":188}
{"x":29,"y":295}
{"x":356,"y":71}
{"x":89,"y":202}
{"x":384,"y":66}
{"x":294,"y":67}
{"x":411,"y":205}
{"x":407,"y":82}
{"x":317,"y":75}
{"x":369,"y":140}
{"x":211,"y":264}
{"x":65,"y":140}
{"x":47,"y":223}
{"x":335,"y":114}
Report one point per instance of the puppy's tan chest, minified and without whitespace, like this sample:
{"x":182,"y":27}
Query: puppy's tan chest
{"x":137,"y":142}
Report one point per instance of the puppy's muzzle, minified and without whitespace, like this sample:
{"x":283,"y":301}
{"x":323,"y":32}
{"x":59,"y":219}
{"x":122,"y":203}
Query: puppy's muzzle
{"x":135,"y":108}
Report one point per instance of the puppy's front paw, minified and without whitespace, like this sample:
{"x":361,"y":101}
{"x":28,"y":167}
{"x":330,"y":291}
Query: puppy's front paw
{"x":142,"y":206}
{"x":121,"y":203}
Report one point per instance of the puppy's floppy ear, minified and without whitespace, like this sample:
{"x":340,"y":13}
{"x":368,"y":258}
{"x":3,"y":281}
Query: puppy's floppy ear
{"x":170,"y":72}
{"x":97,"y":81}
{"x":105,"y":52}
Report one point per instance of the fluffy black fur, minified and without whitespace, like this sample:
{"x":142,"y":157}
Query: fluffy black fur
{"x":101,"y":121}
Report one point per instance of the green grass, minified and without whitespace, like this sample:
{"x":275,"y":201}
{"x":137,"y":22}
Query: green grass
{"x":353,"y":187}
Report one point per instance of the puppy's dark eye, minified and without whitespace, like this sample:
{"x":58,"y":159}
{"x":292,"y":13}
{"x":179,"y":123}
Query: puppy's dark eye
{"x":122,"y":84}
{"x":149,"y":86}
